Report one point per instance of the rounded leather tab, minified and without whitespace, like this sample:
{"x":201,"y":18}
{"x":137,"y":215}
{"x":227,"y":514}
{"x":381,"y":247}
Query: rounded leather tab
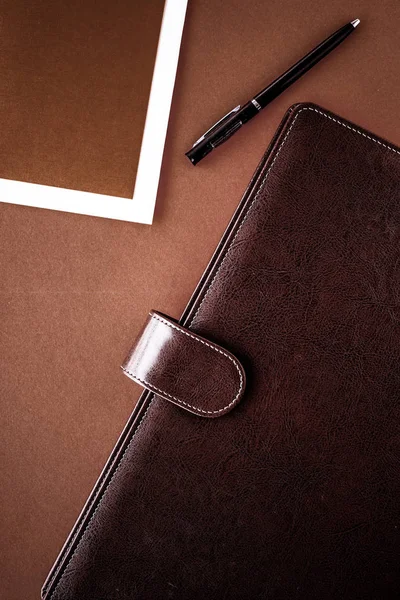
{"x":184,"y":368}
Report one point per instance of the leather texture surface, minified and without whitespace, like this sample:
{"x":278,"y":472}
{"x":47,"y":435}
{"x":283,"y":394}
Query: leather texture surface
{"x":295,"y":493}
{"x":184,"y":368}
{"x":75,"y":290}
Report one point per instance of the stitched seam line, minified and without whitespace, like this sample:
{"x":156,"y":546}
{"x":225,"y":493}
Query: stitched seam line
{"x":205,"y":343}
{"x":157,"y":390}
{"x":67,"y":548}
{"x":206,"y":294}
{"x":264,"y":180}
{"x":99,"y":501}
{"x":352,"y":129}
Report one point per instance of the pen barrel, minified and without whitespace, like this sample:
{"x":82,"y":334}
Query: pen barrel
{"x":199,"y":151}
{"x":228,"y":125}
{"x":303,"y":65}
{"x":204,"y":147}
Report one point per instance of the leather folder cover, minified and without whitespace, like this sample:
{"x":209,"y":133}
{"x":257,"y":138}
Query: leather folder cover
{"x":263,"y":459}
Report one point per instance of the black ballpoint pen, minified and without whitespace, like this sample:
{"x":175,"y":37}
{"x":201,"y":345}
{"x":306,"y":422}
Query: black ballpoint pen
{"x":231,"y":122}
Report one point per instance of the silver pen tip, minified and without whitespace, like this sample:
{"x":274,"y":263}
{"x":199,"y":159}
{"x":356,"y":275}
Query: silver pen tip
{"x":355,"y":22}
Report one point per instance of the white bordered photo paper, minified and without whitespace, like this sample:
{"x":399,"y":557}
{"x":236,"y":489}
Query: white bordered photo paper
{"x":87,"y":90}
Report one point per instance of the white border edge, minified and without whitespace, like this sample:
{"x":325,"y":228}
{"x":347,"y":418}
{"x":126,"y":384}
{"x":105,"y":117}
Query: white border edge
{"x":159,"y":107}
{"x":139,"y":209}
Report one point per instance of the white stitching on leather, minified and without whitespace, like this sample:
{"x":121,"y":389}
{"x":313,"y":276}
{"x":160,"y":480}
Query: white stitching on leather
{"x":210,"y":345}
{"x":263,"y":182}
{"x":204,"y":297}
{"x":49,"y":584}
{"x":352,"y":129}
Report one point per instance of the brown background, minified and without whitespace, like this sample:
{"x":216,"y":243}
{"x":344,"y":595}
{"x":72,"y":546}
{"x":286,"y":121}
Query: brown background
{"x":76,"y":289}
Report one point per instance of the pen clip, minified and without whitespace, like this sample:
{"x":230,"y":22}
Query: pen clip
{"x":217,"y":124}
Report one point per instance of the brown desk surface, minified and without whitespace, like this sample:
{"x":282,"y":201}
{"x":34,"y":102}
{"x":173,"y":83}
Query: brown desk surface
{"x":75,"y":289}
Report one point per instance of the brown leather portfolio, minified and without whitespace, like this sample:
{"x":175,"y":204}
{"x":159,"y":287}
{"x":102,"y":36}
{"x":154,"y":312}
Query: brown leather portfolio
{"x":263,"y":459}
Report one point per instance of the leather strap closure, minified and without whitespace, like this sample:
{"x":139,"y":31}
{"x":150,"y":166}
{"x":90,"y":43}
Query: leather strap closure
{"x":184,"y":368}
